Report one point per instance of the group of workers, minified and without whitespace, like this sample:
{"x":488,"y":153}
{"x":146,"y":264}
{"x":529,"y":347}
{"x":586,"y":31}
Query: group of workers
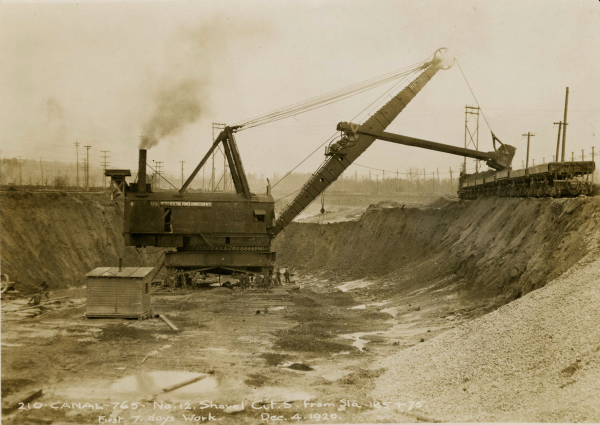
{"x":265,"y":281}
{"x":246,"y":280}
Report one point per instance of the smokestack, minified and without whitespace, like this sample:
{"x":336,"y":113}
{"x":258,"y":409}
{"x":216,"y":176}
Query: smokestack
{"x":142,"y":172}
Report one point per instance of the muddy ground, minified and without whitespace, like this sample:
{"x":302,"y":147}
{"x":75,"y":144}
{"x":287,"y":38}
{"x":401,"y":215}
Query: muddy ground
{"x":378,"y":313}
{"x":308,"y":342}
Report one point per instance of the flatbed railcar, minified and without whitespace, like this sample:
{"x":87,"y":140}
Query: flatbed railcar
{"x":553,"y":179}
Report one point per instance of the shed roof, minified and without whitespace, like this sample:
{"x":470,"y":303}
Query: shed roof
{"x":126,"y":272}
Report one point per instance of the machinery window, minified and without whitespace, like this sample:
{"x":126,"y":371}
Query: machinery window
{"x":259,"y":215}
{"x":146,"y":288}
{"x":167,"y":220}
{"x":227,"y":240}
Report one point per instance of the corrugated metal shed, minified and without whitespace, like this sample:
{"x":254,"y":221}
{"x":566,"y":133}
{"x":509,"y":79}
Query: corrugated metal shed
{"x":114,"y":293}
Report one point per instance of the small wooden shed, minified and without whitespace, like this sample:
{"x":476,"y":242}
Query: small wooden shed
{"x":119,"y":293}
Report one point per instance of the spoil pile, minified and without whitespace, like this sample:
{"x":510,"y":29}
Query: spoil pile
{"x":536,"y":359}
{"x":58,"y":237}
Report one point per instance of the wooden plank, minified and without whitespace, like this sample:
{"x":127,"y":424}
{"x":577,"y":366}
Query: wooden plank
{"x":97,"y":271}
{"x":168,"y":322}
{"x":14,"y":403}
{"x":142,"y":272}
{"x":183,"y":384}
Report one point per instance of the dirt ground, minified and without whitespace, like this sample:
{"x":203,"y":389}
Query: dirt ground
{"x":305,"y":343}
{"x":388,"y":311}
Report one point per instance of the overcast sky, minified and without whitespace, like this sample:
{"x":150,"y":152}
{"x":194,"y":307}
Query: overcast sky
{"x":98,"y":72}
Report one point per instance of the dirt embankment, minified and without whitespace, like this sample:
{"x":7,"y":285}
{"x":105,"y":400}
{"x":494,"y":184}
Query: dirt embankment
{"x":58,"y":237}
{"x":494,"y":246}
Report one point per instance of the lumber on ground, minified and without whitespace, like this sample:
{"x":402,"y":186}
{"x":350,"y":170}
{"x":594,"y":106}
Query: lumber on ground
{"x":183,"y":384}
{"x":168,"y":322}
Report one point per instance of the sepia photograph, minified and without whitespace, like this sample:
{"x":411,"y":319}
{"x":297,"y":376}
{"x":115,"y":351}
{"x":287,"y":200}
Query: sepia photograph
{"x":311,"y":211}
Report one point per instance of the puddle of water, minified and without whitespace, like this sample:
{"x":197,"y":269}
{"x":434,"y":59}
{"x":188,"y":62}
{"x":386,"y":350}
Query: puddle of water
{"x":4,"y":344}
{"x":400,"y":330}
{"x":358,"y":307}
{"x":150,"y":383}
{"x":355,"y":284}
{"x":378,"y":304}
{"x":392,"y":311}
{"x":357,"y":337}
{"x":276,"y":308}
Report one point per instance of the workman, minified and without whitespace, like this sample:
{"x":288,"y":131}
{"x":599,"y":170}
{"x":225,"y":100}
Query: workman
{"x":278,"y":276}
{"x":44,"y":289}
{"x":244,"y":282}
{"x":259,"y":281}
{"x":286,"y":274}
{"x":35,"y":300}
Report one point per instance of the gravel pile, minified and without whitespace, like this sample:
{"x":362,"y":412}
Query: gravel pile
{"x":535,"y":359}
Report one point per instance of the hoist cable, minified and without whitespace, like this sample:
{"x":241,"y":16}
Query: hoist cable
{"x":468,"y":85}
{"x":329,"y":95}
{"x":326,"y":99}
{"x":332,"y":137}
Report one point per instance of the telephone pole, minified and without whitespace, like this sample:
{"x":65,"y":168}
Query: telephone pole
{"x":450,"y":178}
{"x":77,"y":167}
{"x":158,"y":172}
{"x":473,"y":141}
{"x":529,"y":135}
{"x":182,"y":172}
{"x":87,"y":168}
{"x":20,"y":173}
{"x":592,"y":161}
{"x":558,"y":141}
{"x":565,"y":125}
{"x":104,"y":164}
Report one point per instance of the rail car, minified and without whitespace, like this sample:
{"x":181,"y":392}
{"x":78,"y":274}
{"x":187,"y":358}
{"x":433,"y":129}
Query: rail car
{"x":553,"y":179}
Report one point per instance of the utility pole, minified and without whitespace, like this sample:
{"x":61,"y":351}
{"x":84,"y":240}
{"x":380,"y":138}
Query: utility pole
{"x":592,"y":161}
{"x":104,"y":164}
{"x":77,"y":167}
{"x":438,"y":176}
{"x":565,"y":125}
{"x":159,"y":165}
{"x":377,"y":184}
{"x":451,"y":184}
{"x":582,"y":155}
{"x":87,"y":169}
{"x":572,"y":156}
{"x":397,"y":180}
{"x":473,"y":136}
{"x":433,"y":181}
{"x":20,"y":173}
{"x":182,"y":172}
{"x":558,"y":141}
{"x":529,"y":135}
